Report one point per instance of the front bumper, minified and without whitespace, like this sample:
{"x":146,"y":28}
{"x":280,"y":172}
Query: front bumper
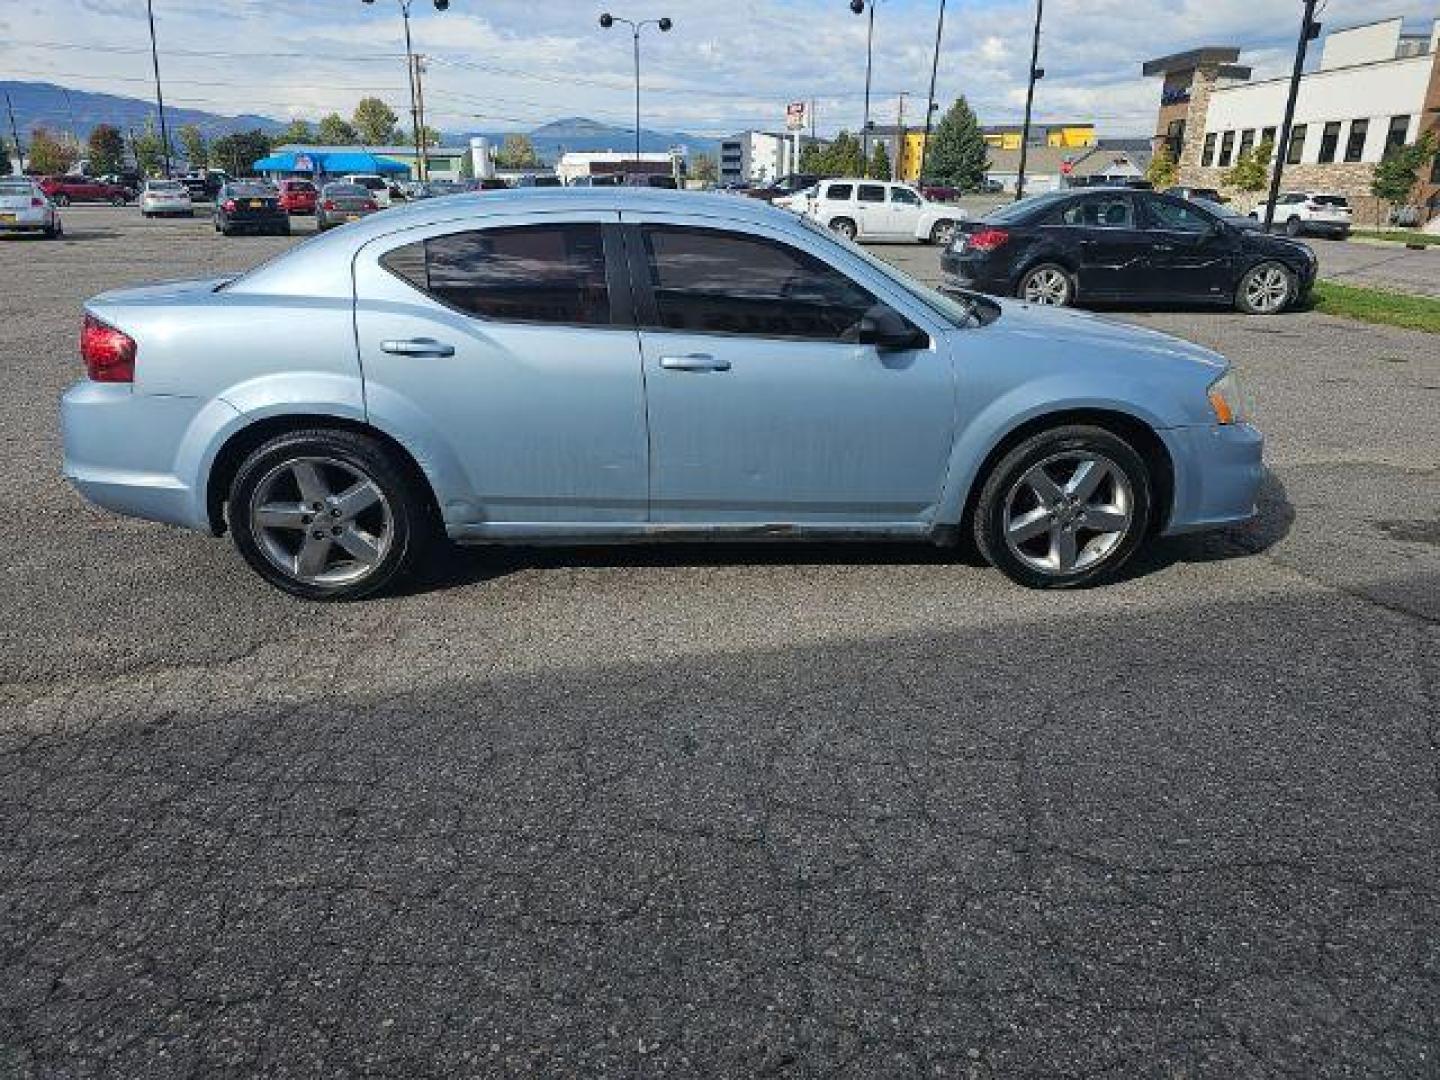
{"x":1218,"y":472}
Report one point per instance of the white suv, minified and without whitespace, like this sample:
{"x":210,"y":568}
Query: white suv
{"x":1310,"y":211}
{"x":877,"y":210}
{"x":378,"y":186}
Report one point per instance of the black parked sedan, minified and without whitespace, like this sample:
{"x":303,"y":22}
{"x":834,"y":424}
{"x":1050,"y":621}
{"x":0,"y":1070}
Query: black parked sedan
{"x":1113,"y":244}
{"x":243,"y":206}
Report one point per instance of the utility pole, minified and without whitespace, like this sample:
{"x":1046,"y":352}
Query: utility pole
{"x":15,"y":136}
{"x":159,"y":97}
{"x":930,"y":108}
{"x":420,"y":140}
{"x":1035,"y":73}
{"x":1309,"y":31}
{"x":895,"y":173}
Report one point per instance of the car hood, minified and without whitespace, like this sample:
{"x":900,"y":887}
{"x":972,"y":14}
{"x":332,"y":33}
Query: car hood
{"x":1089,"y":335}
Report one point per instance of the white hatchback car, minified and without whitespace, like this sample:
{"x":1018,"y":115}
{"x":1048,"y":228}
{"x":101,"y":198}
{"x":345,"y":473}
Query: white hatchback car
{"x":25,"y":208}
{"x":878,"y":210}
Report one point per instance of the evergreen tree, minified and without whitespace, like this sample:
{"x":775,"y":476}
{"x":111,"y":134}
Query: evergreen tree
{"x":1162,"y":172}
{"x":844,"y":156}
{"x":298,"y":132}
{"x":197,"y":151}
{"x":106,"y":150}
{"x":374,"y":122}
{"x":149,"y":151}
{"x":812,"y":157}
{"x":879,"y":168}
{"x":957,"y":154}
{"x":335,"y":130}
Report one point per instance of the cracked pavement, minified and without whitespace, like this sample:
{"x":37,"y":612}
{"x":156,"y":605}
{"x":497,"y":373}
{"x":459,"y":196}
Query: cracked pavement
{"x":851,"y":811}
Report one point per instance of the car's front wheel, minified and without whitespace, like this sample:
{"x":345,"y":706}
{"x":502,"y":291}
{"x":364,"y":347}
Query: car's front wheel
{"x":845,"y":227}
{"x":1265,"y":289}
{"x":1047,"y":284}
{"x":327,"y":515}
{"x":1066,"y":507}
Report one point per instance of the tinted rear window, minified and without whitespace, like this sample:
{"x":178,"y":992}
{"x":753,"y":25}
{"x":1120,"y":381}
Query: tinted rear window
{"x":12,"y":188}
{"x":298,"y":185}
{"x":1331,"y":200}
{"x":1018,"y":211}
{"x":345,"y":191}
{"x":251,"y":191}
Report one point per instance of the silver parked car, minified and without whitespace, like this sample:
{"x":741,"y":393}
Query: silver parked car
{"x":25,"y":208}
{"x":613,"y":364}
{"x":160,"y":197}
{"x":342,"y":202}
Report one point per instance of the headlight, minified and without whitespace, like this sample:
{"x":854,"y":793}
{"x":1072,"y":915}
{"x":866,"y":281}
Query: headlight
{"x":1228,"y":400}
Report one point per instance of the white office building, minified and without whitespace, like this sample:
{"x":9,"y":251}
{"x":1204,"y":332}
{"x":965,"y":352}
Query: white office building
{"x":759,"y":157}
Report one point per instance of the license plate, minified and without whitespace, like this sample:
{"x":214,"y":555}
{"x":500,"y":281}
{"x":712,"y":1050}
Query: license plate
{"x":255,"y":204}
{"x":9,"y":219}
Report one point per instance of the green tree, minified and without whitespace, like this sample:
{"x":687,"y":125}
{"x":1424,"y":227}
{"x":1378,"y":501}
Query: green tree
{"x":517,"y":152}
{"x":705,"y":169}
{"x":467,"y":166}
{"x":106,"y":149}
{"x":149,"y":151}
{"x":299,"y":132}
{"x":374,"y":122}
{"x":48,"y":155}
{"x":813,"y":157}
{"x":958,"y":155}
{"x":406,"y":136}
{"x":335,"y":130}
{"x":1396,"y":174}
{"x":844,"y":156}
{"x":879,"y":168}
{"x":1251,"y":171}
{"x":1162,"y":172}
{"x":237,"y":152}
{"x":197,"y":151}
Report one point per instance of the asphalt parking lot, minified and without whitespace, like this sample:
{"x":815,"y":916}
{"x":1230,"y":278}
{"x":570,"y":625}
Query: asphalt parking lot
{"x":727,"y":811}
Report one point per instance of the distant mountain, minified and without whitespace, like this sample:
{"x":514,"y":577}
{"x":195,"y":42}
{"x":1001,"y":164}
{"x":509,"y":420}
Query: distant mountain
{"x":59,"y":108}
{"x":579,"y":133}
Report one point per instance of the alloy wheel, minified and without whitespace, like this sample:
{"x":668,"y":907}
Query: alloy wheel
{"x":321,"y":521}
{"x":1267,"y":289}
{"x":1068,"y":513}
{"x":1047,"y":286}
{"x":943,"y":233}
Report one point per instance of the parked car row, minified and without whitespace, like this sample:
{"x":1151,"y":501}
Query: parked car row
{"x":24,"y":207}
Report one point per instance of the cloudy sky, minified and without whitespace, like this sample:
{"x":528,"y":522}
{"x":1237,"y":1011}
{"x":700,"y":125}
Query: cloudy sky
{"x":511,"y":64}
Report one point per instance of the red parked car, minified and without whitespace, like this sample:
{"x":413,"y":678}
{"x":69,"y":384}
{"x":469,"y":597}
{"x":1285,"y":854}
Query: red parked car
{"x":297,"y":196}
{"x":63,"y":190}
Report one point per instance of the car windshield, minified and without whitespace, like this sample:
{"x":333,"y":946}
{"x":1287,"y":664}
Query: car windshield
{"x":955,"y":307}
{"x":374,"y":183}
{"x":1218,"y":209}
{"x":1025,"y":207}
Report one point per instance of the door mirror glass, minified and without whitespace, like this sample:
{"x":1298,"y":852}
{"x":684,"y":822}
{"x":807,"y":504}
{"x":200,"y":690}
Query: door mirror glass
{"x":888,"y":330}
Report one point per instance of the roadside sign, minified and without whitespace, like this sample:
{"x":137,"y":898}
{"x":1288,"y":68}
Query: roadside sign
{"x":1067,"y":167}
{"x":795,"y":116}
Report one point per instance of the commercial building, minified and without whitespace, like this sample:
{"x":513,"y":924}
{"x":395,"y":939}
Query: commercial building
{"x":760,"y":157}
{"x":442,"y":162}
{"x":577,"y":163}
{"x":1376,"y":86}
{"x":1072,"y":136}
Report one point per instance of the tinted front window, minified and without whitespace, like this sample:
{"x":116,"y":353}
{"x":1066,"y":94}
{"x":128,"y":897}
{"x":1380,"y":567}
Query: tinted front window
{"x":1177,"y":216}
{"x":721,"y":282}
{"x":529,"y":273}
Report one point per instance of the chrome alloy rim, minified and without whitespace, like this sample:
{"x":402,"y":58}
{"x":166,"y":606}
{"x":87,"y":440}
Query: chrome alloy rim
{"x":1267,"y":289}
{"x":944,"y":233}
{"x":1047,"y":287}
{"x":1068,"y":513}
{"x":321,"y":521}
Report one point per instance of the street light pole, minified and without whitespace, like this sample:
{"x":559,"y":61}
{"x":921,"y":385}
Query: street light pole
{"x":421,"y":171}
{"x":607,"y":20}
{"x":857,"y":6}
{"x":930,"y":108}
{"x":159,"y":97}
{"x":1309,"y":30}
{"x":1035,"y":73}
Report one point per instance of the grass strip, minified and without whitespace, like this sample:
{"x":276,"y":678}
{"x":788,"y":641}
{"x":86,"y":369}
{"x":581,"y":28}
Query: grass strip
{"x":1377,"y":306}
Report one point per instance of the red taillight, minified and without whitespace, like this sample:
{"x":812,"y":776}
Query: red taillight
{"x":988,"y":239}
{"x":109,"y":353}
{"x":228,"y":206}
{"x":328,"y":204}
{"x":36,"y":201}
{"x":371,"y":204}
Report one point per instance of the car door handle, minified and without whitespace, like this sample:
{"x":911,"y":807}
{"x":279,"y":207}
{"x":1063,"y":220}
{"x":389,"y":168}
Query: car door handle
{"x":1164,"y":247}
{"x":694,"y":362}
{"x":417,"y":347}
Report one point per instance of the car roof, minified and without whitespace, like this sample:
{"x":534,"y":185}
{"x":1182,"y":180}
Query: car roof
{"x":301,"y":269}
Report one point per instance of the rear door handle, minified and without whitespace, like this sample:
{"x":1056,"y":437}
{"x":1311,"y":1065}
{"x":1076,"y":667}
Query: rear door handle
{"x":694,"y":362}
{"x":417,"y":347}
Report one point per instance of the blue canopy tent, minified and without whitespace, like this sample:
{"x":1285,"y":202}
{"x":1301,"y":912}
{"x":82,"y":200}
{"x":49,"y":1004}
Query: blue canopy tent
{"x":330,"y":163}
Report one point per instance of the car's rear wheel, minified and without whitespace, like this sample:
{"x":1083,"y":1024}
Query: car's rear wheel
{"x":1265,"y":289}
{"x":1047,"y":284}
{"x":1067,"y":507}
{"x":117,"y":200}
{"x":60,"y":199}
{"x":942,"y":233}
{"x":327,"y":515}
{"x":845,"y":227}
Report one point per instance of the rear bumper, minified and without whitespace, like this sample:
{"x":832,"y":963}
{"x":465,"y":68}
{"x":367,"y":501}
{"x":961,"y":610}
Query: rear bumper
{"x":137,"y":454}
{"x":1218,"y":471}
{"x":978,"y":274}
{"x":25,"y":223}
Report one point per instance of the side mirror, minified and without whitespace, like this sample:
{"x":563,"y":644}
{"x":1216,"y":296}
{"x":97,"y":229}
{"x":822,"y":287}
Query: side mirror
{"x":886,"y":329}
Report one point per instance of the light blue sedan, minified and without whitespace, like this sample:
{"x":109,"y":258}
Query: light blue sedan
{"x":617,"y":364}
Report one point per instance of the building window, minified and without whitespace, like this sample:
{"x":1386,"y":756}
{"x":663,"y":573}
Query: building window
{"x":1175,"y":138}
{"x":1247,"y":141}
{"x":1268,"y":135}
{"x":1227,"y":145}
{"x":1395,"y":135}
{"x":1297,"y":145}
{"x":1329,"y":140}
{"x":1355,"y":145}
{"x":1208,"y":158}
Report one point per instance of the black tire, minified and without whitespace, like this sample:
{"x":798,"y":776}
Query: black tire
{"x":1294,"y":227}
{"x":1246,"y":303}
{"x":411,"y":521}
{"x":61,"y":199}
{"x":845,"y":227}
{"x":1004,"y":479}
{"x":942,"y":232}
{"x":54,"y":232}
{"x":1052,"y":272}
{"x":118,"y":200}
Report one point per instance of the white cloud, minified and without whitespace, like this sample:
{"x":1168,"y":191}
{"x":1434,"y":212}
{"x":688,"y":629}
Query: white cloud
{"x":515,"y":63}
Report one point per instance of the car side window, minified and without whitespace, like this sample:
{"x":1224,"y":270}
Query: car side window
{"x":1178,"y":217}
{"x":712,"y":281}
{"x":839,"y":192}
{"x":905,"y":196}
{"x":1101,"y":212}
{"x":871,"y":193}
{"x":525,"y":273}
